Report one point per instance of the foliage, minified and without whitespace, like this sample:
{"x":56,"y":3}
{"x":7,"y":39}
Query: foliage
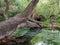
{"x":1,"y":18}
{"x":20,"y":32}
{"x":10,"y":14}
{"x":21,"y":6}
{"x":48,"y":36}
{"x":44,"y":7}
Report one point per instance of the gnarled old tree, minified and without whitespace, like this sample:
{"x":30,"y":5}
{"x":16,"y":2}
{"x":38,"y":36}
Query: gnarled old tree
{"x":10,"y":25}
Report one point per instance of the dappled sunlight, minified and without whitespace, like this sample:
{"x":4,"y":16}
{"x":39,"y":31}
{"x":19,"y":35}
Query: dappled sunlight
{"x":40,"y":43}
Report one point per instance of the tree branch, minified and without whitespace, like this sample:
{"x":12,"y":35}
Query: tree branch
{"x":29,"y":9}
{"x":6,"y":10}
{"x":8,"y":26}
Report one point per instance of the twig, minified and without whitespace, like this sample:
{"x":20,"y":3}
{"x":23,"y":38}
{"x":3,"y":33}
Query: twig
{"x":6,"y":10}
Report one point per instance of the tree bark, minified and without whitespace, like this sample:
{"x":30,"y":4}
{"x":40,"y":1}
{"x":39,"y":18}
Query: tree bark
{"x":9,"y":26}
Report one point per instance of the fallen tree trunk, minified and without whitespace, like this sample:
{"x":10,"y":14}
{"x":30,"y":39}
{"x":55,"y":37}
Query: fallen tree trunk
{"x":40,"y":25}
{"x":9,"y":26}
{"x":29,"y":35}
{"x":32,"y":23}
{"x":20,"y":40}
{"x":55,"y":27}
